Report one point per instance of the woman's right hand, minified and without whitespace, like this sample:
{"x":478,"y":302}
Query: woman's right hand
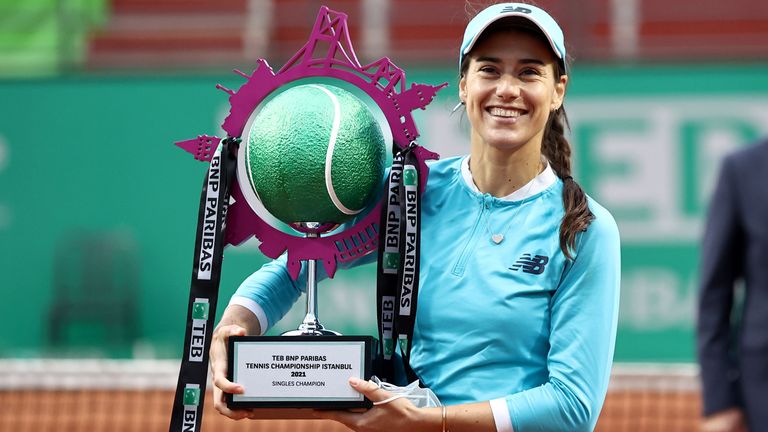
{"x":218,"y":360}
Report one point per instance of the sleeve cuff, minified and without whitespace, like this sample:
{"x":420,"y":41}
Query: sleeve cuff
{"x":501,"y":415}
{"x":253,"y":307}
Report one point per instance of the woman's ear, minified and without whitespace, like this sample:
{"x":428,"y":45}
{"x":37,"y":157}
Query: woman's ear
{"x":558,"y":94}
{"x":463,"y":90}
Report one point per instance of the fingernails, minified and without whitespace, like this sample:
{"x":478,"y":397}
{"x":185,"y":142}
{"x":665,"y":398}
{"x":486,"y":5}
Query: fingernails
{"x":355,"y":381}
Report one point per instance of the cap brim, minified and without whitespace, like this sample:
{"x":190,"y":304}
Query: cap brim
{"x":522,"y":16}
{"x":525,"y":17}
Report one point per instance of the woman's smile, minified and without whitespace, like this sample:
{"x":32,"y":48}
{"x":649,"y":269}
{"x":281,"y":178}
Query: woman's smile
{"x":505,"y":113}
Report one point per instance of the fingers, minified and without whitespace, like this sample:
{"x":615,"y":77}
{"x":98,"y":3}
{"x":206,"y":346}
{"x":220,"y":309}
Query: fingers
{"x":218,"y":358}
{"x":392,"y":408}
{"x":220,"y":404}
{"x":352,"y":419}
{"x":227,"y":386}
{"x":218,"y":362}
{"x":362,"y":386}
{"x":369,"y":389}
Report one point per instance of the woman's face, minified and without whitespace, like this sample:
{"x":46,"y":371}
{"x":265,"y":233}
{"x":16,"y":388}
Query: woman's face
{"x":509,"y":89}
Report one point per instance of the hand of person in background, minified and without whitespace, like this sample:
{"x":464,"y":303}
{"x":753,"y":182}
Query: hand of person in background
{"x":730,"y":420}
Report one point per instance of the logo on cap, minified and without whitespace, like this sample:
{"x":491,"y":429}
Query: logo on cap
{"x":516,"y":9}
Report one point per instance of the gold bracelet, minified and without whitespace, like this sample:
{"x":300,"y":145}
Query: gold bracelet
{"x":445,"y":419}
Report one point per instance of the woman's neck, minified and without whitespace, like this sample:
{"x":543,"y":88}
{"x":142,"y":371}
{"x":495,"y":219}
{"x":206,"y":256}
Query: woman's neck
{"x":501,"y":173}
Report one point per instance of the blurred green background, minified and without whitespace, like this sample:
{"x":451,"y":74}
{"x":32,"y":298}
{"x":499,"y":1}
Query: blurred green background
{"x":98,"y":207}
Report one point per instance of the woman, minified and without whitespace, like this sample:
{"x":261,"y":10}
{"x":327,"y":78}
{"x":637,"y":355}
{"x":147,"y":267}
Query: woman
{"x":519,"y":268}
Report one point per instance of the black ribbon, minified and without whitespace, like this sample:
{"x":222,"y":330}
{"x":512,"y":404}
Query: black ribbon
{"x":398,"y":262}
{"x":388,"y":267}
{"x":187,"y":414}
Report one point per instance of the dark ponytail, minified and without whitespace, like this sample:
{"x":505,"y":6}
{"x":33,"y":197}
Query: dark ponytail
{"x":557,"y":150}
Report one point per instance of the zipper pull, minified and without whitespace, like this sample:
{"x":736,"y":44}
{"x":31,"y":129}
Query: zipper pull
{"x":486,"y":201}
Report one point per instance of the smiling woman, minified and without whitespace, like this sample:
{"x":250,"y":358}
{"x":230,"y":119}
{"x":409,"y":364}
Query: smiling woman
{"x":519,"y":269}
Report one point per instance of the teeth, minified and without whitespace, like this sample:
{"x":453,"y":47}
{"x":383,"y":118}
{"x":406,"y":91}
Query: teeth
{"x":501,"y":112}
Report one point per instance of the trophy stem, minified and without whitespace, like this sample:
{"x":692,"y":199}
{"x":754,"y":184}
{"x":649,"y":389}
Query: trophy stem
{"x":311,"y":318}
{"x":311,"y":326}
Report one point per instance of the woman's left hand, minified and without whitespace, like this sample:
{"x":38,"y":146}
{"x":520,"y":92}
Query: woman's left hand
{"x":397,"y":414}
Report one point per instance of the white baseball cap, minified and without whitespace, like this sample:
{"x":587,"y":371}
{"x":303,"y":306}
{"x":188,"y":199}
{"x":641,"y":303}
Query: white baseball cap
{"x":535,"y":15}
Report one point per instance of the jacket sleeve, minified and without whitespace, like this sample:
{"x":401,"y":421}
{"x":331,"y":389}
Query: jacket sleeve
{"x":584,"y":315}
{"x":722,"y":253}
{"x":274,"y":291}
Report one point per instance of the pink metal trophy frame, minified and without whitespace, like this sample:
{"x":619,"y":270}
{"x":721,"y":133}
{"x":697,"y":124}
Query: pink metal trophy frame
{"x":327,"y":54}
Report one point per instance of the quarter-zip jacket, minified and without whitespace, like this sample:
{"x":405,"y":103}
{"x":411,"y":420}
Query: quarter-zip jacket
{"x":515,"y":323}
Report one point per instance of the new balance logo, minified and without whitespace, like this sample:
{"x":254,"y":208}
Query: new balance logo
{"x":530,"y":265}
{"x":516,"y":9}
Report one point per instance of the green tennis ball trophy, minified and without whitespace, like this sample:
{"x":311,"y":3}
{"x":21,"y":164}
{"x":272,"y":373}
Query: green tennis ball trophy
{"x":315,"y":157}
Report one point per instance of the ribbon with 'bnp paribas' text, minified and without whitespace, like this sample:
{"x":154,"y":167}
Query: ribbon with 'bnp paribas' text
{"x":187,"y":413}
{"x":398,"y":262}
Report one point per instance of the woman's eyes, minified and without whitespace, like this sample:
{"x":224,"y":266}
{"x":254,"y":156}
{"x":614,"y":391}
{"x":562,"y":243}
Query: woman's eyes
{"x":487,"y":69}
{"x":528,"y":71}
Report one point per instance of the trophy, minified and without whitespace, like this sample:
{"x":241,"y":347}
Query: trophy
{"x":314,"y":159}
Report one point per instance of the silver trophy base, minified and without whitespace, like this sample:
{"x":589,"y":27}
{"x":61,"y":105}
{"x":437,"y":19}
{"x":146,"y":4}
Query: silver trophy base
{"x":315,"y":332}
{"x":311,"y":327}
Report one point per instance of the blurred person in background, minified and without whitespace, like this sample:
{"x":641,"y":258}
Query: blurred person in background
{"x":733,"y":338}
{"x":518,"y":309}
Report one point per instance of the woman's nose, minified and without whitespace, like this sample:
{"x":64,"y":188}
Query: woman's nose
{"x":508,"y":88}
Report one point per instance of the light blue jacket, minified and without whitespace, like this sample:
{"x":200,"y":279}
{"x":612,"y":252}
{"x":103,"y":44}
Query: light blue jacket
{"x":515,"y":322}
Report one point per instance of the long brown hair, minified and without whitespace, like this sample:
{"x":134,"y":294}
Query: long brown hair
{"x":556,"y":148}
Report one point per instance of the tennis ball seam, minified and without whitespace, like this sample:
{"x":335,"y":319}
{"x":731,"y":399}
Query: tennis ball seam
{"x":335,"y":126}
